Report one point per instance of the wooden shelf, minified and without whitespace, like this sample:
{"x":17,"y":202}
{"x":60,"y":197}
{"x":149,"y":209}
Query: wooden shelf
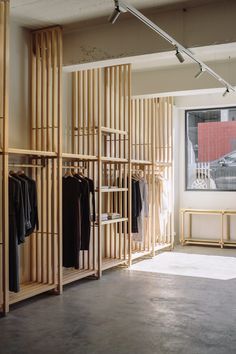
{"x":163,"y":164}
{"x":201,"y":211}
{"x":70,"y":275}
{"x":229,"y":244}
{"x":111,"y":190}
{"x":113,"y":221}
{"x":32,"y":152}
{"x":113,"y":159}
{"x":158,"y":247}
{"x":140,"y":254}
{"x":141,"y":162}
{"x":29,"y":290}
{"x":162,"y":246}
{"x":203,"y":241}
{"x":229,"y":212}
{"x":108,"y":263}
{"x":79,"y":157}
{"x":113,"y":131}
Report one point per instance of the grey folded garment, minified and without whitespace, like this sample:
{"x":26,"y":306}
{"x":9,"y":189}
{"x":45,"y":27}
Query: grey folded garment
{"x":112,"y":216}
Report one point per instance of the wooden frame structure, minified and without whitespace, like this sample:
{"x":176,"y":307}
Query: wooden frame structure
{"x":152,"y":154}
{"x":224,"y":238}
{"x":97,"y":140}
{"x":97,"y":132}
{"x":40,"y":255}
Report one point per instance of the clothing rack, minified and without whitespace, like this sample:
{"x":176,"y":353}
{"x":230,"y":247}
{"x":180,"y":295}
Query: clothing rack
{"x":152,"y":152}
{"x":24,"y":165}
{"x":40,"y":254}
{"x":100,"y":137}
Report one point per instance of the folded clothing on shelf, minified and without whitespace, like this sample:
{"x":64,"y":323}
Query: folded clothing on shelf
{"x":113,"y":216}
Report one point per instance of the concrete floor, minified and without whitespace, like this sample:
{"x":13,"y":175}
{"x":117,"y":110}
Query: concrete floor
{"x":128,"y":312}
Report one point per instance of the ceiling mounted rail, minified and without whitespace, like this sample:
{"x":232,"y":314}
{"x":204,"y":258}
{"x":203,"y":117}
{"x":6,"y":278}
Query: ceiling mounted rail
{"x":121,"y":7}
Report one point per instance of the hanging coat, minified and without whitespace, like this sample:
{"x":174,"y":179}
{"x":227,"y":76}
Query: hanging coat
{"x":71,"y":212}
{"x":16,"y":231}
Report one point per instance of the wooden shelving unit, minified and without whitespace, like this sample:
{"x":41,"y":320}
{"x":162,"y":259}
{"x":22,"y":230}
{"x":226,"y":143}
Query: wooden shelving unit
{"x":222,"y":240}
{"x":152,"y":157}
{"x":103,"y":140}
{"x":33,"y":153}
{"x":115,"y":168}
{"x":40,"y":254}
{"x":81,"y":155}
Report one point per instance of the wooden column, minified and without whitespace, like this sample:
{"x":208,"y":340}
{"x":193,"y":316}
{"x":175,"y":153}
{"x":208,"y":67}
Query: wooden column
{"x":4,"y":115}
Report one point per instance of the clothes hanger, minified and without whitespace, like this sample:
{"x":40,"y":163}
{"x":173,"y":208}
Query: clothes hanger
{"x":68,"y":173}
{"x":21,"y":172}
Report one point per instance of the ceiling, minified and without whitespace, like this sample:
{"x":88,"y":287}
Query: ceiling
{"x":41,"y":13}
{"x":213,"y":53}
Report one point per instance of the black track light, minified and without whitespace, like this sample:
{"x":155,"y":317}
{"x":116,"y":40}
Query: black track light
{"x":114,"y":16}
{"x":179,"y":55}
{"x":226,"y":92}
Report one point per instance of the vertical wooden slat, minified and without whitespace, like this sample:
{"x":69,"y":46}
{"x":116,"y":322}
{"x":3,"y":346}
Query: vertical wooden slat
{"x":4,"y":112}
{"x":100,"y":172}
{"x":74,"y":131}
{"x":59,"y":152}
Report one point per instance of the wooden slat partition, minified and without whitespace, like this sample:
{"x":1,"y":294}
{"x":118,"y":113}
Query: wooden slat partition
{"x":4,"y":112}
{"x":81,"y":153}
{"x":152,"y":158}
{"x":40,"y":258}
{"x":115,"y":158}
{"x":98,"y":143}
{"x":163,"y":159}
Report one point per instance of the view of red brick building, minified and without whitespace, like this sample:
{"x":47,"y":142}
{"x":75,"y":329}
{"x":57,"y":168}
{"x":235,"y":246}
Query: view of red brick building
{"x":215,"y":139}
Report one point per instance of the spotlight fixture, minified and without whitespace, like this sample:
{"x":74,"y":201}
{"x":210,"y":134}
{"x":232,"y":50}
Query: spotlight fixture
{"x":122,"y":6}
{"x":179,"y":55}
{"x":201,"y":71}
{"x":114,"y":16}
{"x":226,"y":92}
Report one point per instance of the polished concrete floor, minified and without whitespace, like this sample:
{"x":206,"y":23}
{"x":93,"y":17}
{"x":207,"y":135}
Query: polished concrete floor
{"x":128,"y":312}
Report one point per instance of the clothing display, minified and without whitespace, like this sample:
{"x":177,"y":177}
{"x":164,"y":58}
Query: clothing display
{"x":136,"y":204}
{"x":140,"y":235}
{"x":163,"y":204}
{"x":78,"y":195}
{"x":32,"y":189}
{"x":21,"y":221}
{"x":71,"y":212}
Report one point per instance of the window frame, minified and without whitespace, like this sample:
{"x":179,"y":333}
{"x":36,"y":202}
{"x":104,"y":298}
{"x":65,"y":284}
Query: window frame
{"x":186,"y":189}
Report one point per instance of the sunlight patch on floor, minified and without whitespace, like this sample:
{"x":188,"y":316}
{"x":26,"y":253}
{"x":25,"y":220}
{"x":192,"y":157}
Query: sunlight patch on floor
{"x":191,"y":265}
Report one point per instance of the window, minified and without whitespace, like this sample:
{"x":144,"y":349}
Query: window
{"x":210,"y":138}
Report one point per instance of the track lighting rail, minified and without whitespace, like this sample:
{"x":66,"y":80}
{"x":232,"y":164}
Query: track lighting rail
{"x":121,"y":6}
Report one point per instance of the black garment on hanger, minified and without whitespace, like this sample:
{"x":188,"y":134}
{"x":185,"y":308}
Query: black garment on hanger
{"x":71,"y":212}
{"x":87,"y":188}
{"x":32,"y":189}
{"x":92,"y":217}
{"x":136,"y":205}
{"x":26,"y":201}
{"x":16,"y":231}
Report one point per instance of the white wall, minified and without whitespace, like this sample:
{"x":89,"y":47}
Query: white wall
{"x":205,"y":226}
{"x":181,"y":78}
{"x":19,"y":88}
